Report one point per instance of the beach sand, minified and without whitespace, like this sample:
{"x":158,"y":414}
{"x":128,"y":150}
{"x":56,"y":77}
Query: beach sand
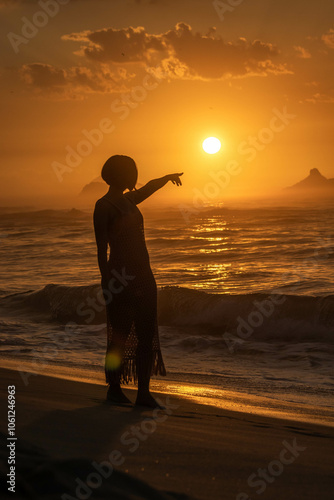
{"x":194,"y":451}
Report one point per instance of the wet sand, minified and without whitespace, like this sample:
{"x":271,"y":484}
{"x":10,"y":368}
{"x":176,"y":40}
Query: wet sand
{"x":65,"y":430}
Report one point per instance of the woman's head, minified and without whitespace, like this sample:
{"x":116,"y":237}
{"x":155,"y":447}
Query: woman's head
{"x":120,"y":172}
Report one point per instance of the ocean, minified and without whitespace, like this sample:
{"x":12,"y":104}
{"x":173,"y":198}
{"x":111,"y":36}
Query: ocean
{"x":246,"y":298}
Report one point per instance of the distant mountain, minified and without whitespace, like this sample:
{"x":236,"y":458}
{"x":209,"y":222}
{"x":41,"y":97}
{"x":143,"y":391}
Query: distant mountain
{"x":94,"y":189}
{"x":315,"y":182}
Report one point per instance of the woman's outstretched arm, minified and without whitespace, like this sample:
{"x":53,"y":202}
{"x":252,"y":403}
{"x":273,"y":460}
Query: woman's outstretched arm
{"x":152,"y":186}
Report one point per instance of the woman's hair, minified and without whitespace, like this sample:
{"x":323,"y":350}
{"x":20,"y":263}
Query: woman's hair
{"x":120,"y":171}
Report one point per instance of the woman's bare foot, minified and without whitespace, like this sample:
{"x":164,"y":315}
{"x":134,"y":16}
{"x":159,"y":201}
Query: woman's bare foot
{"x":146,"y":399}
{"x":116,"y":395}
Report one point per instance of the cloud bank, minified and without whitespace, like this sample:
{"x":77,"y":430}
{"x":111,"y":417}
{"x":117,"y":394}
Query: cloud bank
{"x":180,"y":51}
{"x":109,"y":60}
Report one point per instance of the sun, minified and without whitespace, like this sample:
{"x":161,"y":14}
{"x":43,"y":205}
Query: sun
{"x":211,"y":145}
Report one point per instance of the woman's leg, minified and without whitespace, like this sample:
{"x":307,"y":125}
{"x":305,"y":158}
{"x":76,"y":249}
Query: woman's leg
{"x":145,"y":324}
{"x":118,"y":331}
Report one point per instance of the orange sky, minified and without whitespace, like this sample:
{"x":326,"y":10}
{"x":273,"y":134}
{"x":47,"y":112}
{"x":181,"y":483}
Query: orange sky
{"x":158,"y":77}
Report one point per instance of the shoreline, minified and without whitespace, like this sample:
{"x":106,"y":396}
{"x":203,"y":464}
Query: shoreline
{"x":229,"y":400}
{"x":193,"y":449}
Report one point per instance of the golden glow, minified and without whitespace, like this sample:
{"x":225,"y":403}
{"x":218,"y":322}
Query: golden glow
{"x":212,"y":145}
{"x":113,"y":361}
{"x":167,"y":128}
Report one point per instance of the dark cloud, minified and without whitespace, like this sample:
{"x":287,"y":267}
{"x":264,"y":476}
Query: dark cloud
{"x":209,"y":56}
{"x":73,"y":81}
{"x":119,"y":45}
{"x":114,"y":59}
{"x":43,"y":75}
{"x":181,"y":52}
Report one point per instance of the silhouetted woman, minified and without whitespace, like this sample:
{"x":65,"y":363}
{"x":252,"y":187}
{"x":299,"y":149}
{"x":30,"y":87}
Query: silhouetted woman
{"x":129,"y":287}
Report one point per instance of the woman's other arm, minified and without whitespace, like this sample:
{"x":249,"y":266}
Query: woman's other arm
{"x":101,"y":222}
{"x":152,"y":186}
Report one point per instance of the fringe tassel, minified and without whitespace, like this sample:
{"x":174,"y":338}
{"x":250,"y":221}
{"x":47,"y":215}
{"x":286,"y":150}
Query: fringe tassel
{"x":128,"y":370}
{"x":158,"y":366}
